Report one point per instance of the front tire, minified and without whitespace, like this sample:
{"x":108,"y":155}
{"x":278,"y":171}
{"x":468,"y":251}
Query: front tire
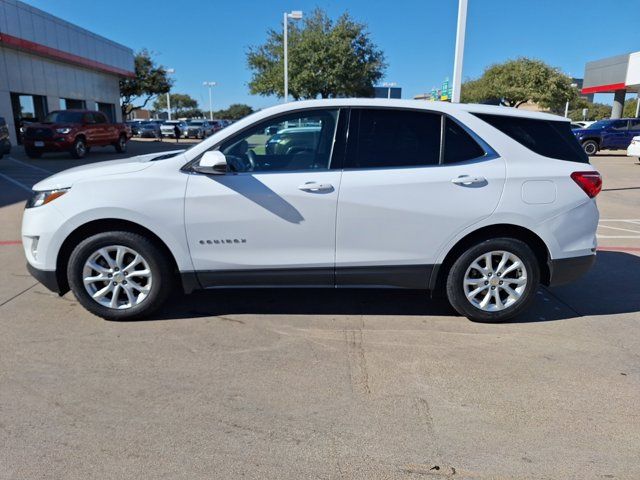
{"x":79,"y":148}
{"x":494,"y":280}
{"x":121,"y":144}
{"x":590,"y":147}
{"x":119,"y":275}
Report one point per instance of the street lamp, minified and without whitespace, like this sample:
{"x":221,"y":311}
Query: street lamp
{"x":459,"y":53}
{"x":294,"y":15}
{"x":389,"y":85}
{"x":169,"y":71}
{"x":566,"y":106}
{"x":210,"y":85}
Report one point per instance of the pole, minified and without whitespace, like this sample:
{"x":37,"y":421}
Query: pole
{"x":168,"y":106}
{"x":459,"y":53}
{"x":638,"y":104}
{"x":566,"y":109}
{"x":286,"y":62}
{"x":210,"y":105}
{"x":388,"y":93}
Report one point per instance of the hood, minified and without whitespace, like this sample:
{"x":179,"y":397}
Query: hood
{"x":51,"y":126}
{"x":68,"y":177}
{"x":580,"y":131}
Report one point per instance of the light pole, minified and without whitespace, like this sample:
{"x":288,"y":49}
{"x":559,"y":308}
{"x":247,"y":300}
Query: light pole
{"x":459,"y":54}
{"x":210,"y":85}
{"x":566,"y":106}
{"x":294,"y":15}
{"x":169,"y":71}
{"x":389,"y":85}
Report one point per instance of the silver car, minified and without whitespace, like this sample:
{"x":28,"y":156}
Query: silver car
{"x":199,"y":129}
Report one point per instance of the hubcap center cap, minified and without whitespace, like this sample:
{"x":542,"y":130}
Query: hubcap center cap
{"x":118,"y":277}
{"x":494,"y":281}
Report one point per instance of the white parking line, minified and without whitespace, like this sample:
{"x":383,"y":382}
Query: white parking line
{"x":15,"y":182}
{"x":618,"y":228}
{"x":30,"y":166}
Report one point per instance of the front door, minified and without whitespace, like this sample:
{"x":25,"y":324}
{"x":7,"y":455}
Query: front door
{"x":402,"y":197}
{"x":271,"y":219}
{"x":615,"y":136}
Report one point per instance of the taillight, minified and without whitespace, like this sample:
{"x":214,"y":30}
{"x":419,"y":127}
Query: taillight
{"x":590,"y":182}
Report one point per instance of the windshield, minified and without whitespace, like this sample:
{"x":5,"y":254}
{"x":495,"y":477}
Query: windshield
{"x":196,"y":122}
{"x":64,"y":116}
{"x":600,"y":124}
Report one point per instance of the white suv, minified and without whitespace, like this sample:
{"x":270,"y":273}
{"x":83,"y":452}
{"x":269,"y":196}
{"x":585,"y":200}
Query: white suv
{"x":477,"y":202}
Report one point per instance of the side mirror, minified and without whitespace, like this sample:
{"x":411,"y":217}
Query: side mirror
{"x":212,"y":163}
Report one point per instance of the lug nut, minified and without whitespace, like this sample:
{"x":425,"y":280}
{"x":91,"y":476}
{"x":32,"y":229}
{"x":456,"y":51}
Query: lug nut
{"x":109,"y":275}
{"x":486,"y":283}
{"x":116,"y":269}
{"x":125,"y":272}
{"x":501,"y":282}
{"x":498,"y":274}
{"x":493,"y":288}
{"x":115,"y":283}
{"x":124,"y":282}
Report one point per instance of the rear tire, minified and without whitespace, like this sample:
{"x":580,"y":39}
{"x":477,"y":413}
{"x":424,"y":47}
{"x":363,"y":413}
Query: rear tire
{"x":31,"y":153}
{"x":139,"y":288}
{"x":590,"y":147}
{"x":79,"y":149}
{"x":504,"y":288}
{"x":121,"y":144}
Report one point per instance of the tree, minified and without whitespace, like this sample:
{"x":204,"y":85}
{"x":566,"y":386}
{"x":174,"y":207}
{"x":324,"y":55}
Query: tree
{"x":181,"y":103}
{"x":326,"y":58}
{"x":629,"y":110}
{"x":595,"y":111}
{"x":518,"y":81}
{"x":150,"y":80}
{"x":235,"y":111}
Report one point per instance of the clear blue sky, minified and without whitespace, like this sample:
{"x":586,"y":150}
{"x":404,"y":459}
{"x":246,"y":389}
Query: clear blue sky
{"x":207,"y":40}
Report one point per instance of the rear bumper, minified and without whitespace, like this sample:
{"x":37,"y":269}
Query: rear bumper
{"x":566,"y":270}
{"x":48,"y":278}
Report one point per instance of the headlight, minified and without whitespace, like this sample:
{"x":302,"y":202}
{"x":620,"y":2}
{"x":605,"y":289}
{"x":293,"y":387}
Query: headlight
{"x":42,"y":198}
{"x":63,"y":131}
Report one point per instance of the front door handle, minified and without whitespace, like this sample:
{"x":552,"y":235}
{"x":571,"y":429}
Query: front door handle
{"x":468,"y":180}
{"x":316,"y":187}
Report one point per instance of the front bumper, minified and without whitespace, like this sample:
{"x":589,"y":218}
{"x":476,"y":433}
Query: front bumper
{"x":567,"y":270}
{"x":48,"y":278}
{"x":49,"y":145}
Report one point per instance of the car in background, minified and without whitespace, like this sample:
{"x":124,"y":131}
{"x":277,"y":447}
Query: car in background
{"x":633,"y":150}
{"x":167,"y":128}
{"x":76,"y":132}
{"x":289,"y":141}
{"x":149,"y":130}
{"x":5,"y":143}
{"x":134,"y":125}
{"x":199,"y":129}
{"x":613,"y":134}
{"x":576,"y":126}
{"x":480,"y":203}
{"x":584,"y":123}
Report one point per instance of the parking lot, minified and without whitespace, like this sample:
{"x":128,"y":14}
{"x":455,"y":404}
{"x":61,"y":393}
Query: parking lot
{"x":323,"y":384}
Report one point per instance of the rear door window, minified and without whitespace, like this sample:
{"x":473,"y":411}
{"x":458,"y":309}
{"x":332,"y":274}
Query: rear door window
{"x":549,"y":138}
{"x":459,"y":146}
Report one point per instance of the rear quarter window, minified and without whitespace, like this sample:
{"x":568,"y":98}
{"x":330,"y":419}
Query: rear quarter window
{"x":548,"y":138}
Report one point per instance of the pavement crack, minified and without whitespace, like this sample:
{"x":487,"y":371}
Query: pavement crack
{"x":18,"y":294}
{"x":357,"y":361}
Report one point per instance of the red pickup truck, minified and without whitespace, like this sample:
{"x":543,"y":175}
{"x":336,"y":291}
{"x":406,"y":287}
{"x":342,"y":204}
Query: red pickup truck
{"x":74,"y":131}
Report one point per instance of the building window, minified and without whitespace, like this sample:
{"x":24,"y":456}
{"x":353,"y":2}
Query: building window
{"x":72,"y":104}
{"x":109,"y":109}
{"x":27,"y":109}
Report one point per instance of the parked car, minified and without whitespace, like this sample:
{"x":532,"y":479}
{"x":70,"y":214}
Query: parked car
{"x":477,"y":202}
{"x":5,"y":143}
{"x":150,"y":130}
{"x":135,"y":126}
{"x":608,"y":134}
{"x":576,"y":126}
{"x":199,"y":129}
{"x":293,"y":140}
{"x":167,"y":128}
{"x":634,"y":147}
{"x":74,"y":131}
{"x":584,"y":123}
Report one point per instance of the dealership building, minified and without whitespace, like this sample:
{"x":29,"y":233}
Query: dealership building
{"x":49,"y":64}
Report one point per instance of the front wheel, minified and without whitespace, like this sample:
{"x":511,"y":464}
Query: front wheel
{"x":590,"y":147}
{"x":119,"y":275}
{"x":79,"y":148}
{"x":494,"y":280}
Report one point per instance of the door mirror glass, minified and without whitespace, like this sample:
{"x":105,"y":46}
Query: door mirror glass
{"x":212,"y":163}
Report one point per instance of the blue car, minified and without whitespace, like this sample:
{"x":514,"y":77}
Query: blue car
{"x":608,"y":134}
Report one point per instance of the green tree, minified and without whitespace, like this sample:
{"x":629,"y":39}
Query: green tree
{"x":181,"y":103}
{"x":629,"y":110}
{"x":235,"y":111}
{"x":326,"y":59}
{"x":518,"y":81}
{"x":595,"y":111}
{"x":150,"y":80}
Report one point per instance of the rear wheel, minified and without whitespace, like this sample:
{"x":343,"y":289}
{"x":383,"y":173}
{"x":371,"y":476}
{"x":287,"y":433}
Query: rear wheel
{"x":119,"y":275}
{"x":590,"y":147}
{"x":79,"y":148}
{"x":494,"y":280}
{"x":32,"y":153}
{"x":121,"y":144}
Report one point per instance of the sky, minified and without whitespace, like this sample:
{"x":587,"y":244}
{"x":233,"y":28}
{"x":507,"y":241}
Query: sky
{"x":207,"y":40}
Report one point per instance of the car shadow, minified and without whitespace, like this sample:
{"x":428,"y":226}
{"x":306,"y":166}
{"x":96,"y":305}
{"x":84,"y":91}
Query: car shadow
{"x":611,"y":287}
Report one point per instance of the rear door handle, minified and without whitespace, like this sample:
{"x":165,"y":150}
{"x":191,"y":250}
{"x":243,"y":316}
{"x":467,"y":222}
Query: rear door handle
{"x":316,"y":187}
{"x":468,"y":180}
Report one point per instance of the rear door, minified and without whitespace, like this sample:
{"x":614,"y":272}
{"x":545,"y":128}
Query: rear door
{"x":404,"y":194}
{"x":615,"y":135}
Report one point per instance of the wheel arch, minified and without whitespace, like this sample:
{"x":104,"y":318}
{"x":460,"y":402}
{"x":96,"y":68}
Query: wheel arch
{"x":598,"y":140}
{"x":439,"y":275}
{"x":113,"y":224}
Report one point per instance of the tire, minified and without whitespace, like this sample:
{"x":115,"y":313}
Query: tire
{"x":121,"y":144}
{"x":512,"y":305}
{"x":590,"y":147}
{"x":135,"y":298}
{"x":79,"y":149}
{"x":31,"y":153}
